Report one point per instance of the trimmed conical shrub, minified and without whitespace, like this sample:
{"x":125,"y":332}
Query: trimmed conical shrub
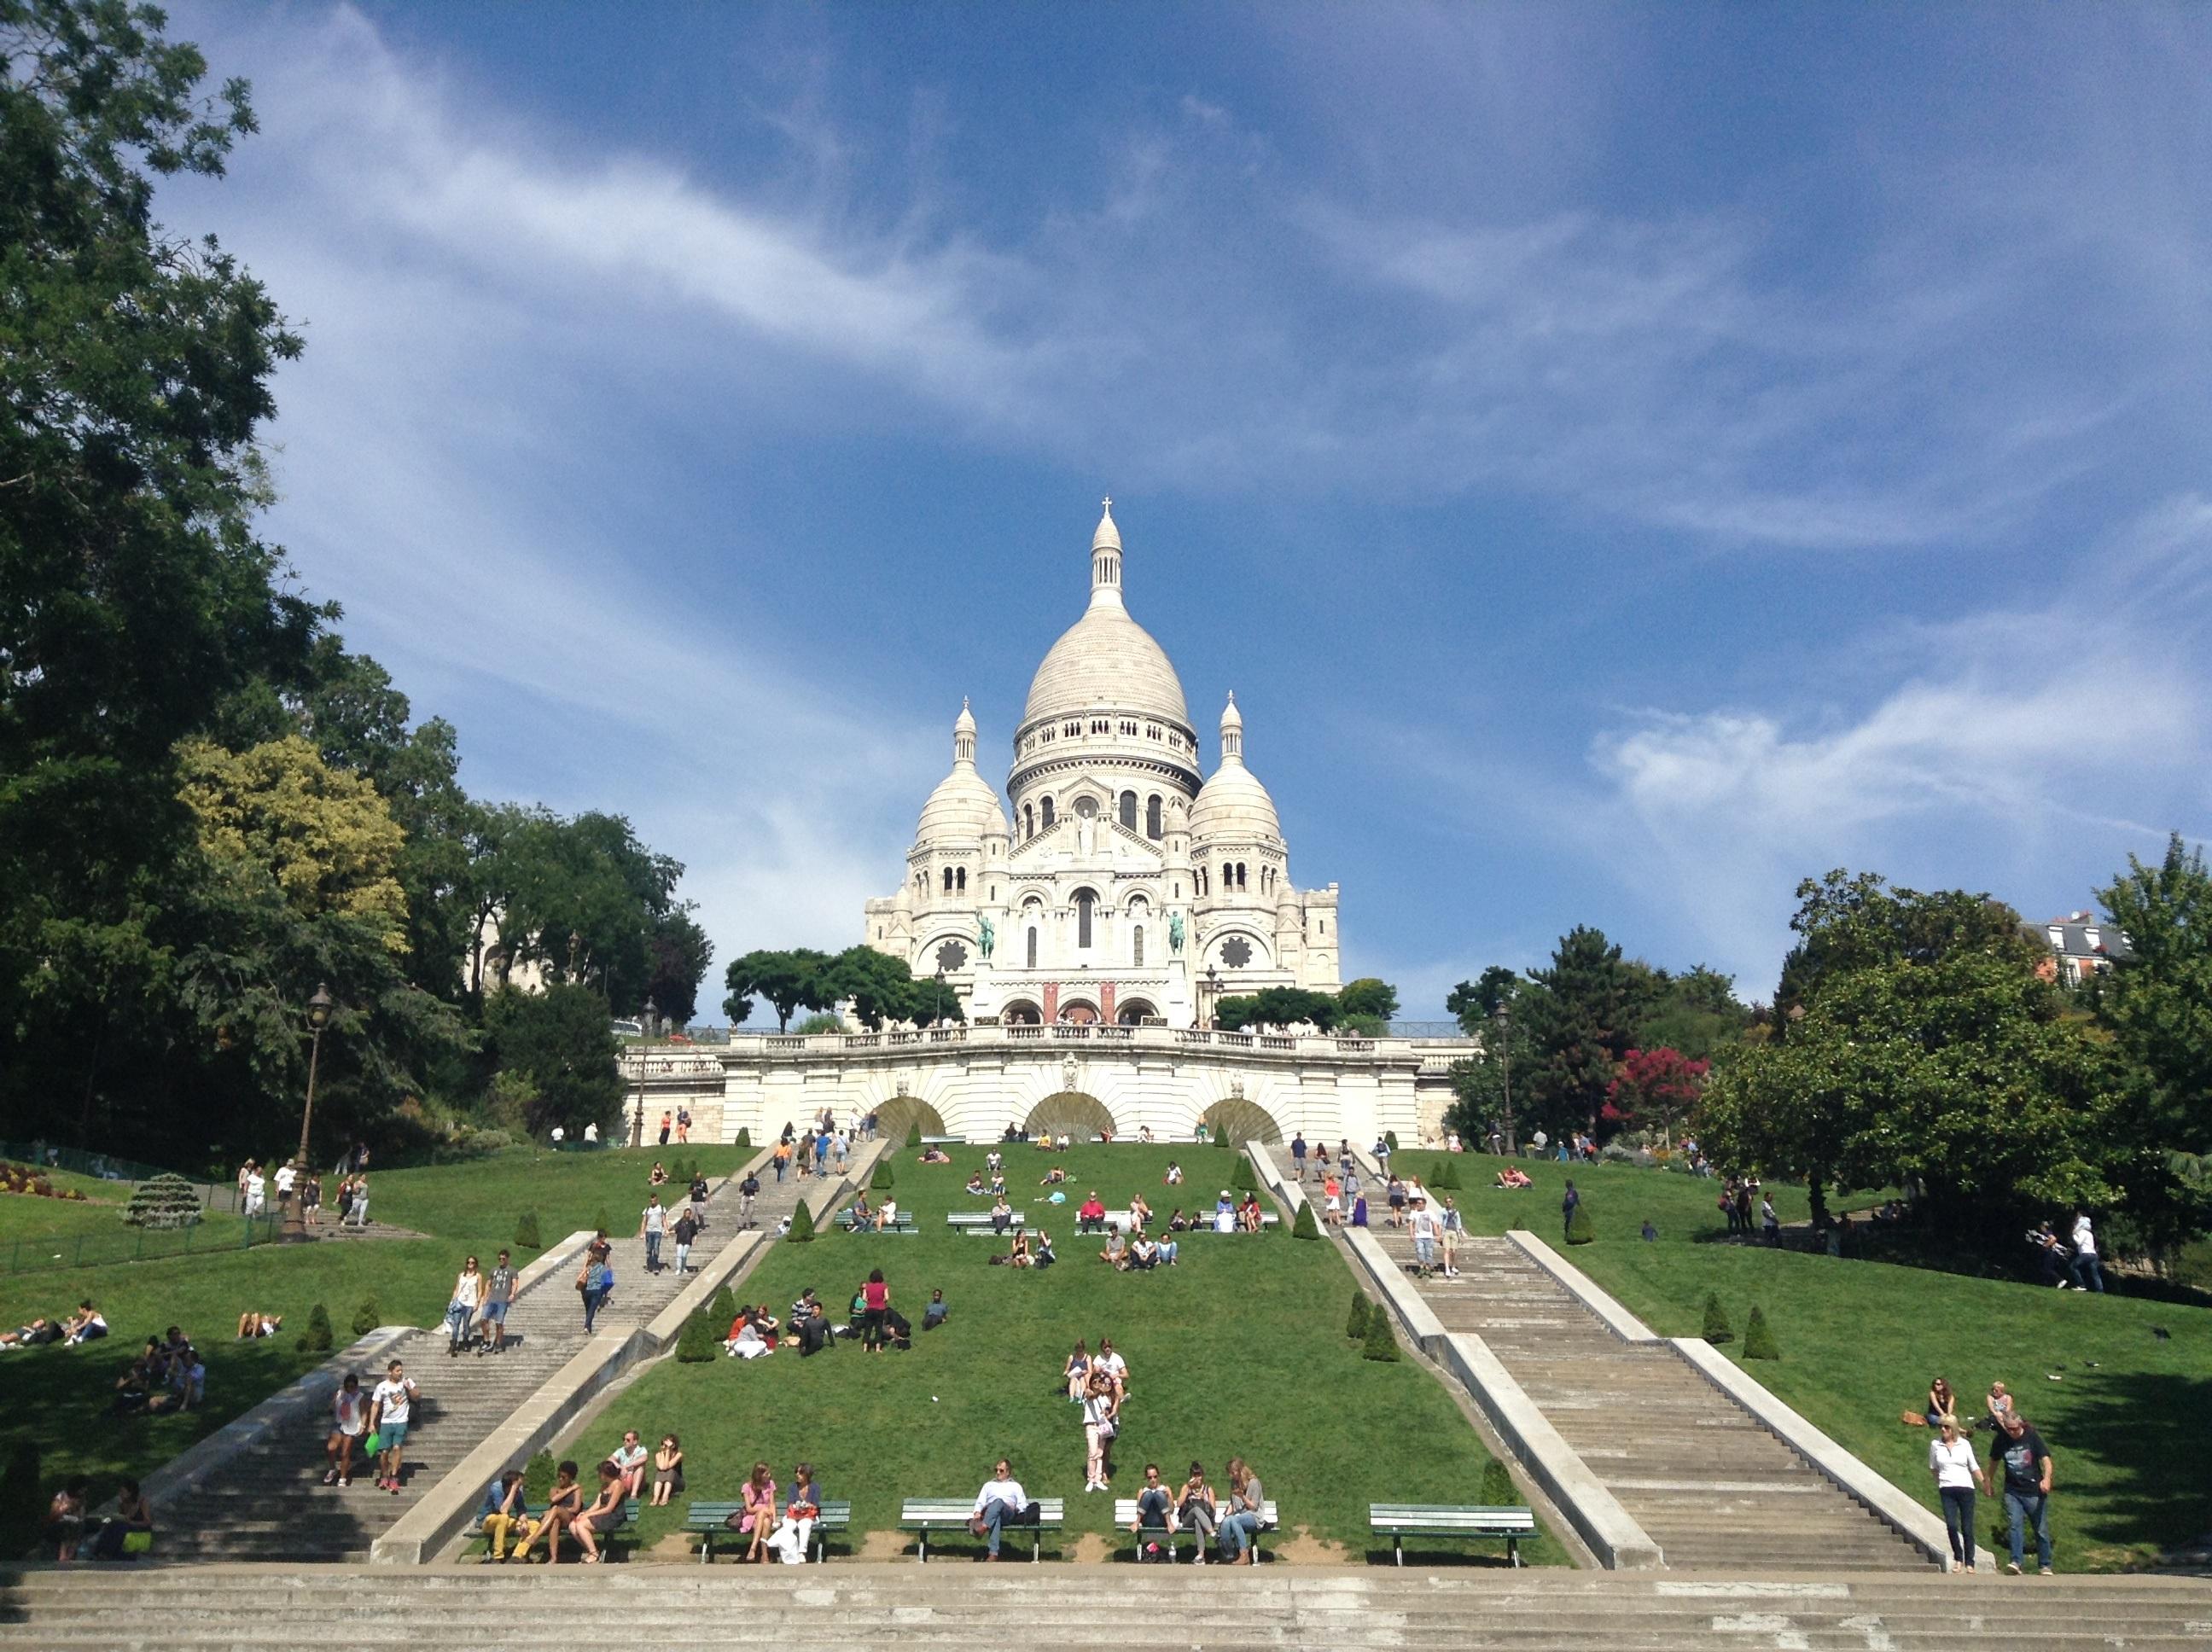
{"x":699,"y":1340}
{"x":914,"y":1137}
{"x":367,"y":1317}
{"x":722,"y":1309}
{"x":1305,"y":1227}
{"x":1356,"y":1326}
{"x":525,"y":1231}
{"x":1757,"y":1341}
{"x":1391,"y":1136}
{"x":1241,"y":1178}
{"x":1718,"y":1329}
{"x":1498,"y":1491}
{"x":883,"y":1178}
{"x":744,"y":1141}
{"x":802,"y":1224}
{"x":166,"y":1201}
{"x":1579,"y":1232}
{"x":317,"y":1339}
{"x":1380,"y":1344}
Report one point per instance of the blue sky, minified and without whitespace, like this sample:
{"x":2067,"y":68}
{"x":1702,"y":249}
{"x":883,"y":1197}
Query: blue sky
{"x":1623,"y":460}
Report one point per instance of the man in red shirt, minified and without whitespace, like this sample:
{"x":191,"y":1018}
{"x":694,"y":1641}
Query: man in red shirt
{"x":1091,"y":1215}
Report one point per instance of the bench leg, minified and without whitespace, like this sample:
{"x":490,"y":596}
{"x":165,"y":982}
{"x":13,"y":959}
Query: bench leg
{"x":707,"y":1546}
{"x":1036,"y":1546}
{"x":1398,"y":1546}
{"x":922,"y":1548}
{"x":1513,"y":1550}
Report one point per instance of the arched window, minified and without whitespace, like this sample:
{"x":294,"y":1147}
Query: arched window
{"x":1228,"y":877}
{"x":1032,"y":948}
{"x":1028,"y":822}
{"x":1048,"y":814}
{"x":1240,"y":874}
{"x":1129,"y":809}
{"x":1153,"y":816}
{"x":1136,"y":946}
{"x":960,"y":880}
{"x":1084,"y":901}
{"x":948,"y":880}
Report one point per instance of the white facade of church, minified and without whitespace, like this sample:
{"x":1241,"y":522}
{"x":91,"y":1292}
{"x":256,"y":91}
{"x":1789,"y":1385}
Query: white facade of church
{"x":1114,"y":885}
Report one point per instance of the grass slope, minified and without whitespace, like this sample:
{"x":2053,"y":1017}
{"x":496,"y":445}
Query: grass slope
{"x":1860,"y":1340}
{"x":1239,"y":1350}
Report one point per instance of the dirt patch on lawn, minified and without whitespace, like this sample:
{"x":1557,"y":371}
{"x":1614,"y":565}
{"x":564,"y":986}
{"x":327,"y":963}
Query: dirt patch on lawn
{"x":676,"y":1545}
{"x":1091,"y":1549}
{"x":882,"y":1545}
{"x":1302,"y":1548}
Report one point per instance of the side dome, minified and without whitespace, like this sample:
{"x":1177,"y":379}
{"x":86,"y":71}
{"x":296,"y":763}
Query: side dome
{"x":964,"y":806}
{"x":1233,"y":803}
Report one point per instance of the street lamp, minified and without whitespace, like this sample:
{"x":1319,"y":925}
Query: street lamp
{"x":1503,"y":1018}
{"x":295,"y":1208}
{"x":1212,"y":994}
{"x":940,"y":994}
{"x":576,"y":945}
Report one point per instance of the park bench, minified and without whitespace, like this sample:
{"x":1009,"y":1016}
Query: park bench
{"x":902,"y":1222}
{"x":923,"y":1515}
{"x":606,"y":1539}
{"x":1404,"y":1520}
{"x":1125,"y":1515}
{"x":711,"y":1520}
{"x":944,"y":1141}
{"x":979,"y":1222}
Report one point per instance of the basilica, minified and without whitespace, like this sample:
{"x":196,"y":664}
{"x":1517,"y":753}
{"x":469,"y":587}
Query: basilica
{"x":1116,"y":883}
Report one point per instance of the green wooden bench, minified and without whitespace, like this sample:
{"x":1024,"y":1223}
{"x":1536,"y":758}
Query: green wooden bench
{"x":1125,"y":1516}
{"x":923,"y":1515}
{"x":944,"y":1141}
{"x":979,"y":1222}
{"x":1404,"y":1520}
{"x":712,"y":1520}
{"x":902,"y":1222}
{"x":474,"y":1528}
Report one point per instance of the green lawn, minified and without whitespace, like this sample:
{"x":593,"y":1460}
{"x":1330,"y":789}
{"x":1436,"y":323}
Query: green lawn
{"x":1240,"y":1349}
{"x":58,"y":1396}
{"x":1860,"y":1341}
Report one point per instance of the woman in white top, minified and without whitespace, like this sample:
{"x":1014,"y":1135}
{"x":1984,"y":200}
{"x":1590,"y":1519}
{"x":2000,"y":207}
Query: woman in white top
{"x":1099,"y":1410}
{"x":468,"y":1296}
{"x":1958,"y":1471}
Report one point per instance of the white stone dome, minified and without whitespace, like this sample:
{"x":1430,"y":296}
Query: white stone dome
{"x":1232,"y":804}
{"x":1106,"y":658}
{"x":964,"y":806}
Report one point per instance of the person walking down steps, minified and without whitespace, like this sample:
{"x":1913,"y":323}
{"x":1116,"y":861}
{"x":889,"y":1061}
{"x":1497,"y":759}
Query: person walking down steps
{"x":595,"y":1281}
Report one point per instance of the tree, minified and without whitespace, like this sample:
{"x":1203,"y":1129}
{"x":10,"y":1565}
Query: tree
{"x":1235,"y":1013}
{"x":787,"y":979}
{"x":1581,"y":1027}
{"x":680,"y":953}
{"x":1381,"y":1344}
{"x":802,"y":1223}
{"x":318,"y":1337}
{"x":1367,"y":1005}
{"x":1697,"y":1013}
{"x":1302,"y":1227}
{"x":135,"y":370}
{"x":558,"y":1041}
{"x":2158,"y":1000}
{"x":1655,"y":1089}
{"x":1473,"y":1003}
{"x":1718,"y":1329}
{"x":367,"y":1317}
{"x":883,"y":1179}
{"x":526,"y":1232}
{"x":1757,"y":1341}
{"x":1355,"y":1327}
{"x":700,"y":1339}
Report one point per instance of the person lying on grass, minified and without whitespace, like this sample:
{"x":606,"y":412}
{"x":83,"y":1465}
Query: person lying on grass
{"x":1512,"y":1176}
{"x":251,"y":1324}
{"x":37,"y":1333}
{"x":1053,"y":1178}
{"x":934,"y":1156}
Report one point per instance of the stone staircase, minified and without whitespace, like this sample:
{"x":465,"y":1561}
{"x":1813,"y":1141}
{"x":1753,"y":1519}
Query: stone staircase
{"x":1711,"y":1486}
{"x":157,"y":1608}
{"x":268,"y":1502}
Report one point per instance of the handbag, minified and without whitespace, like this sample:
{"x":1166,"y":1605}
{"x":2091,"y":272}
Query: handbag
{"x":373,"y":1445}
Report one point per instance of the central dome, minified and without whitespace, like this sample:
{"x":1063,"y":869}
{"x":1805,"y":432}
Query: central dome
{"x":1106,"y":658}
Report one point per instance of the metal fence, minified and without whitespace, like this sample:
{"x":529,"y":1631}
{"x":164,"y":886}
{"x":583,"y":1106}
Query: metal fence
{"x":34,"y":1252}
{"x":106,"y":1166}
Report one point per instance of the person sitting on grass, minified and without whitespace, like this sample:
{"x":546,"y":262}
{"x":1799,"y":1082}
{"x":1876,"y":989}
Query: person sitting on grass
{"x":628,"y":1459}
{"x":605,"y":1514}
{"x":667,"y":1470}
{"x":1996,"y":1405}
{"x":1090,"y":1214}
{"x":88,"y":1324}
{"x":1512,"y":1176}
{"x":1144,"y":1254}
{"x":1055,"y":1176}
{"x":251,"y":1324}
{"x":1019,"y":1256}
{"x":1041,"y":1251}
{"x":1177,"y":1222}
{"x":503,"y":1511}
{"x":1116,"y":1254}
{"x":998,"y":1185}
{"x":747,"y":1338}
{"x":1174,"y":1177}
{"x":756,"y":1514}
{"x":1942,"y":1404}
{"x":975,"y":1184}
{"x":561,"y":1506}
{"x":1075,"y":1377}
{"x":936,"y":1313}
{"x":659,"y":1178}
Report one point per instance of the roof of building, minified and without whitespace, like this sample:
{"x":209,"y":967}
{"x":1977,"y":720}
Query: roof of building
{"x":2082,"y":935}
{"x":1106,"y":658}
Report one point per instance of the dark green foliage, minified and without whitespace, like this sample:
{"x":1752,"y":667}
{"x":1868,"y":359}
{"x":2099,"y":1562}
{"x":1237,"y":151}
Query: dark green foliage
{"x":914,"y":1137}
{"x":526,"y":1232}
{"x":537,"y":1479}
{"x":367,"y":1317}
{"x":1367,"y":999}
{"x":558,"y":1042}
{"x":1355,"y":1327}
{"x":1241,"y":1176}
{"x":700,"y":1337}
{"x":1498,"y":1491}
{"x":601,"y":1225}
{"x":318,"y":1338}
{"x":1305,"y":1227}
{"x":1391,"y":1136}
{"x":1579,"y":1232}
{"x":1718,"y":1329}
{"x":1380,"y":1344}
{"x":22,"y":1498}
{"x":166,"y":1201}
{"x":1757,"y":1341}
{"x":802,"y":1224}
{"x":883,"y":1178}
{"x":744,"y":1141}
{"x":1582,"y":1013}
{"x":722,"y":1309}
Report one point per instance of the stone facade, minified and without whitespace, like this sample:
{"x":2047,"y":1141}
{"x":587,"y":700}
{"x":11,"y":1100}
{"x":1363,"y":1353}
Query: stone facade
{"x":1119,"y":887}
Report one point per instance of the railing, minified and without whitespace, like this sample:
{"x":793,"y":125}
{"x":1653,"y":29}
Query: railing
{"x":1025,"y":1032}
{"x":1269,"y":1041}
{"x":34,"y":1252}
{"x":106,"y":1166}
{"x":862,"y":1040}
{"x":1243,"y":1038}
{"x":1355,"y":1046}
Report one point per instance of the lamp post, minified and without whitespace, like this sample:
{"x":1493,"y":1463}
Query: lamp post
{"x":1212,"y":994}
{"x":576,"y":944}
{"x":1503,"y":1018}
{"x":295,"y":1208}
{"x":940,"y":994}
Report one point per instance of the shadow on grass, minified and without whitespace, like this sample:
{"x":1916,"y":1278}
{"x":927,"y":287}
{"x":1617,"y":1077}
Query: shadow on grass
{"x":2149,"y":1429}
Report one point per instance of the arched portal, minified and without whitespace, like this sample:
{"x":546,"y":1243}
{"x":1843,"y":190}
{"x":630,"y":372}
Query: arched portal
{"x":901,"y":1116}
{"x":1234,"y":1123}
{"x":1071,"y":1113}
{"x":1135,"y":1012}
{"x":1078,"y":1012}
{"x":1022,"y":1012}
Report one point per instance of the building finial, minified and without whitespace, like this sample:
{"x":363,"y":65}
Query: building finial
{"x":1106,"y":560}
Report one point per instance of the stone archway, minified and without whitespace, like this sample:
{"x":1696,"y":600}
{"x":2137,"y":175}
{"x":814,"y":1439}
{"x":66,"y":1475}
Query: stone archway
{"x":1134,"y":1011}
{"x":1022,"y":1012}
{"x":1078,"y":1012}
{"x":1234,"y":1121}
{"x":898,"y":1119}
{"x":1070,"y":1113}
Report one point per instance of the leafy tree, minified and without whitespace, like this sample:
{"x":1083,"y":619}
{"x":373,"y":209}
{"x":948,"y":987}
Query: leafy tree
{"x":883,"y":1179}
{"x":1656,"y":1087}
{"x":538,"y":1476}
{"x":722,"y":1308}
{"x":789,"y":980}
{"x":1579,"y":1230}
{"x":820,"y":1021}
{"x":367,"y":1317}
{"x":1235,"y":1013}
{"x":1367,"y":1002}
{"x":1241,"y":1177}
{"x":680,"y":953}
{"x":526,"y":1232}
{"x":1697,"y":1013}
{"x":318,"y":1338}
{"x":2158,"y":1001}
{"x":134,"y":369}
{"x":559,"y":1041}
{"x":1581,"y":1027}
{"x":1473,"y":1003}
{"x":700,"y":1339}
{"x":1498,"y":1491}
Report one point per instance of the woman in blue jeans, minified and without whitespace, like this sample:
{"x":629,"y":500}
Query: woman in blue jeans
{"x":1240,"y":1527}
{"x":1958,"y":1472}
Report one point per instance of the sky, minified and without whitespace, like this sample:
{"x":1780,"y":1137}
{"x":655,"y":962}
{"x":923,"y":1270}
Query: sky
{"x":1625,"y":459}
